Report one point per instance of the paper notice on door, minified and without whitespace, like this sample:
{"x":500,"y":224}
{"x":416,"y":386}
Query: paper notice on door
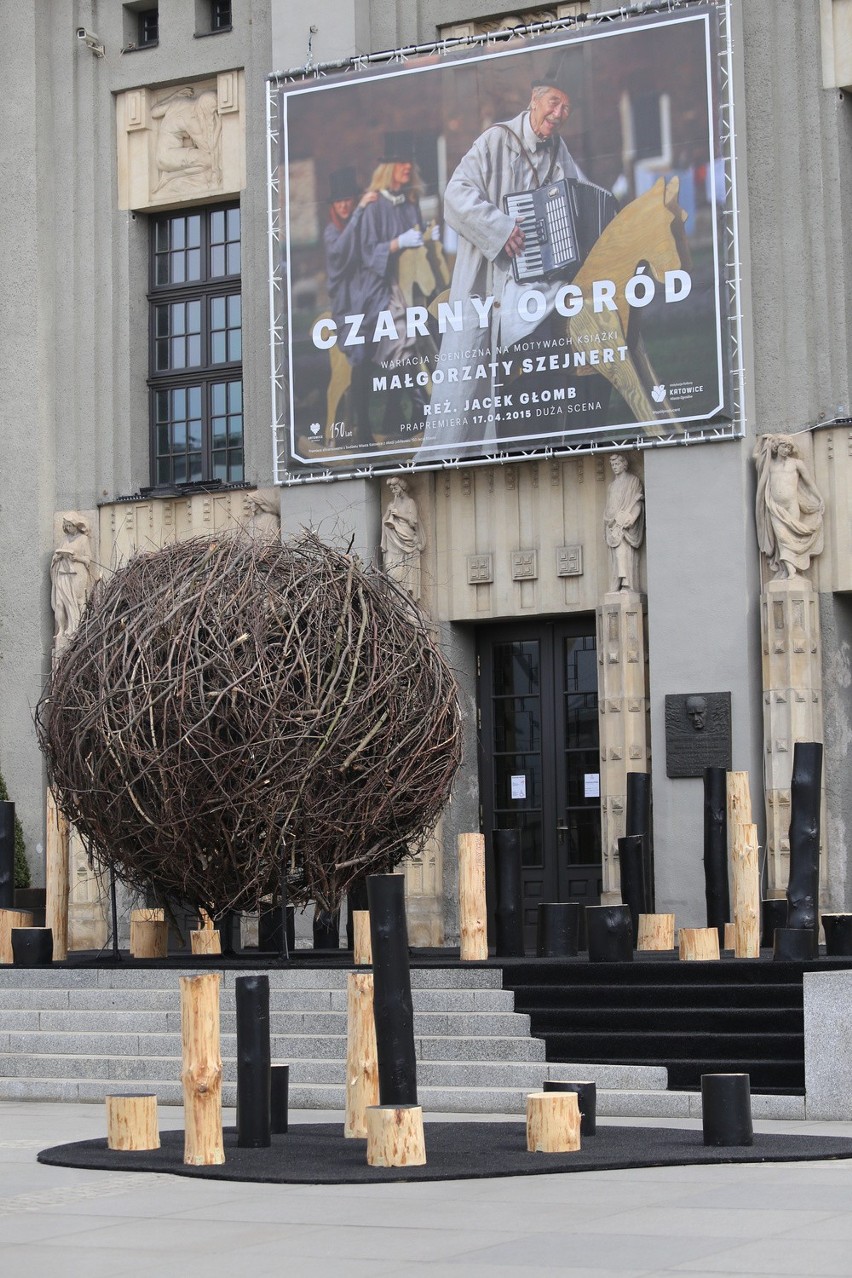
{"x":592,"y":785}
{"x":519,"y":787}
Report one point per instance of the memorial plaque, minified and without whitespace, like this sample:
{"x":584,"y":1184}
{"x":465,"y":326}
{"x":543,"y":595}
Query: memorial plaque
{"x":698,"y":733}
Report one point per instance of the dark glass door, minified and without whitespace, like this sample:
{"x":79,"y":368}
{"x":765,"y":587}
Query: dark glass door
{"x":539,"y":757}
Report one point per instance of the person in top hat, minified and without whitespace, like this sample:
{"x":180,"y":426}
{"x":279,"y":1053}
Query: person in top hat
{"x":521,"y":154}
{"x":345,"y":276}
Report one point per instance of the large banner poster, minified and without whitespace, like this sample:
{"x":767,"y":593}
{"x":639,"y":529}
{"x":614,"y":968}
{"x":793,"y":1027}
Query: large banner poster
{"x":506,"y":249}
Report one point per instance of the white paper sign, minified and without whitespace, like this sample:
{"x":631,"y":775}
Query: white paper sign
{"x":592,"y":785}
{"x":519,"y":787}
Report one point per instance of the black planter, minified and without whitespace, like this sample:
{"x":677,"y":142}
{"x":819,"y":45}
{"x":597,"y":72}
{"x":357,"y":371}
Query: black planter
{"x":279,"y":1109}
{"x":587,"y":1099}
{"x":726,"y":1109}
{"x":32,"y":946}
{"x":509,"y":933}
{"x":254,"y":1071}
{"x":638,"y":822}
{"x":630,"y":854}
{"x":773,"y":914}
{"x":7,"y":855}
{"x":269,"y":936}
{"x":326,"y":929}
{"x":838,"y":934}
{"x":803,"y":883}
{"x":610,"y":933}
{"x":558,"y":931}
{"x":794,"y":944}
{"x":716,"y":891}
{"x":392,"y":1004}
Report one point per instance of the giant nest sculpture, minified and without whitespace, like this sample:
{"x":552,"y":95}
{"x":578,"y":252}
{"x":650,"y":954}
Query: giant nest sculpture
{"x":227,"y":706}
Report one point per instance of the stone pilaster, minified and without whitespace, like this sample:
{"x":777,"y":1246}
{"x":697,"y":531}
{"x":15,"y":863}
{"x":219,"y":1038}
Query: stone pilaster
{"x":424,"y":894}
{"x":623,"y":716}
{"x":792,"y":706}
{"x":88,"y":899}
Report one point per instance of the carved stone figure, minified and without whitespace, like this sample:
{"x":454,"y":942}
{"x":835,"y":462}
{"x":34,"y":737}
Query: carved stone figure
{"x":265,"y":517}
{"x":788,"y":507}
{"x":402,"y":538}
{"x":624,"y":525}
{"x":189,"y":142}
{"x":72,"y":575}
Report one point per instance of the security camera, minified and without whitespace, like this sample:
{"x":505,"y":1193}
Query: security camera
{"x":91,"y":41}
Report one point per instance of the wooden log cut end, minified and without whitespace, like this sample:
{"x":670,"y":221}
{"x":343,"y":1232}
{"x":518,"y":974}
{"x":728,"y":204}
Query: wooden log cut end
{"x":395,"y":1136}
{"x":553,"y":1122}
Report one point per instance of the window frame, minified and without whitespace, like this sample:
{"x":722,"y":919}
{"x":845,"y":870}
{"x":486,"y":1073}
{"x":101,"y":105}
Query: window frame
{"x":205,"y":374}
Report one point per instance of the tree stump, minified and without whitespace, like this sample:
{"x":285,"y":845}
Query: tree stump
{"x":132,"y":1122}
{"x":205,"y":940}
{"x":8,"y":920}
{"x":149,"y":938}
{"x":730,"y":936}
{"x":362,"y":950}
{"x":472,"y":907}
{"x":698,"y":943}
{"x":395,"y":1136}
{"x":362,"y":1062}
{"x":56,"y":877}
{"x":201,"y":1074}
{"x":746,"y":891}
{"x":553,"y":1122}
{"x":656,"y":932}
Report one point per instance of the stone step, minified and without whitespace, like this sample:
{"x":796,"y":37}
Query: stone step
{"x":292,"y":978}
{"x":280,"y":1000}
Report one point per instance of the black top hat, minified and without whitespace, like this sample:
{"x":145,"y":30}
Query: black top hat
{"x":558,"y":75}
{"x":342,"y":185}
{"x":399,"y":149}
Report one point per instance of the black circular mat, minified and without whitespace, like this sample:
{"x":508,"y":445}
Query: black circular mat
{"x":318,"y":1154}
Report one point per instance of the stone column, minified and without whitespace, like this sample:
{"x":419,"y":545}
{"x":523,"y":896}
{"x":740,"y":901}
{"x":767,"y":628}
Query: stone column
{"x":623,"y":713}
{"x":792,"y":707}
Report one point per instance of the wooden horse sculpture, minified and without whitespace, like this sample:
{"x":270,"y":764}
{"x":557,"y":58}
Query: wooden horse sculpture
{"x":422,"y":274}
{"x":648,"y":230}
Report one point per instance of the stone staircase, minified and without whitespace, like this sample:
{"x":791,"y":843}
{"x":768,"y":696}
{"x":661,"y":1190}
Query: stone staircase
{"x":79,"y":1034}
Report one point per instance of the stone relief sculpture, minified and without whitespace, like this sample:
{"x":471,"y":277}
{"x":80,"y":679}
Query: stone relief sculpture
{"x":624,"y":525}
{"x":72,"y":575}
{"x":264,"y":517}
{"x":788,"y":508}
{"x":189,"y":142}
{"x":402,"y":538}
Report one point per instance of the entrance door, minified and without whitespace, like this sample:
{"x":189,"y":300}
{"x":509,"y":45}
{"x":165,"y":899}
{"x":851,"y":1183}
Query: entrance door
{"x":540,"y":757}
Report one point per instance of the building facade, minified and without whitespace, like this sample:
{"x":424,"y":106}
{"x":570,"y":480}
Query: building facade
{"x":136,"y":345}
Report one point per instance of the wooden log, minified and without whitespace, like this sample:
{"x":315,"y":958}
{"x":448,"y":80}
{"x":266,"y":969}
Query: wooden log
{"x":132,"y":1122}
{"x":746,"y":891}
{"x":656,"y":932}
{"x":472,"y":908}
{"x":730,"y":936}
{"x":362,"y":950}
{"x":8,"y":920}
{"x":395,"y":1136}
{"x":150,"y":914}
{"x":201,"y":1073}
{"x":56,"y":877}
{"x":362,"y":1062}
{"x":205,"y":940}
{"x":738,"y":812}
{"x":149,"y":938}
{"x":553,"y":1122}
{"x":698,"y":943}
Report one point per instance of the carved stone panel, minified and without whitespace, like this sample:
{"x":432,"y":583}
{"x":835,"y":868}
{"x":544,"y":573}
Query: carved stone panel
{"x":698,"y":733}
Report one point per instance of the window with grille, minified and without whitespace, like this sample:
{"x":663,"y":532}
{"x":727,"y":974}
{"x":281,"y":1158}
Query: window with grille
{"x":195,"y":362}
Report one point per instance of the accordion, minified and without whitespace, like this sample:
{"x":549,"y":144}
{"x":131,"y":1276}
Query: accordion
{"x":560,"y":221}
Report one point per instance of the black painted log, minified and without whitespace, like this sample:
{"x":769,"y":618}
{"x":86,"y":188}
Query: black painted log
{"x":269,"y":933}
{"x":254,"y":1067}
{"x":229,"y":932}
{"x":838,"y":934}
{"x":392,"y":1003}
{"x":610,"y":933}
{"x":356,"y":899}
{"x":794,"y":944}
{"x":587,"y":1099}
{"x":803,"y":883}
{"x":326,"y":929}
{"x":630,"y":864}
{"x":509,"y":915}
{"x":558,"y":930}
{"x":7,"y":855}
{"x":280,"y":1099}
{"x":32,"y":946}
{"x":716,"y":890}
{"x":773,"y":914}
{"x":638,"y":821}
{"x":726,"y":1109}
